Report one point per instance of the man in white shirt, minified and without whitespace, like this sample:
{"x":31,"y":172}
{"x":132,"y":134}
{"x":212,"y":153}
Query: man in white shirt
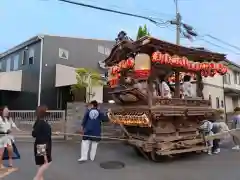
{"x":164,"y":88}
{"x":186,"y":87}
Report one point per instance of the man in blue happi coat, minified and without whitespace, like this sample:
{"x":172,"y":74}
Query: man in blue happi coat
{"x":91,"y":127}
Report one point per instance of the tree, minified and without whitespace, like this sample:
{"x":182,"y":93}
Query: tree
{"x":142,"y":31}
{"x":87,"y":78}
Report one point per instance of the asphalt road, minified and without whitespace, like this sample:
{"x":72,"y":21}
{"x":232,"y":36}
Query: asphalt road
{"x":65,"y":166}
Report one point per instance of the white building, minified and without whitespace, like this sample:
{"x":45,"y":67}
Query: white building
{"x":224,"y":90}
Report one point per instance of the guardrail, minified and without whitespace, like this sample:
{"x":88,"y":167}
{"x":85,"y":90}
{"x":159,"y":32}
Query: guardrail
{"x":24,"y":119}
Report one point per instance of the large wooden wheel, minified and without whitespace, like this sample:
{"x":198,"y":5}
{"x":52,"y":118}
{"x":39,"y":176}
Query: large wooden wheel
{"x":158,"y":158}
{"x":140,"y":152}
{"x":137,"y":151}
{"x":153,"y":156}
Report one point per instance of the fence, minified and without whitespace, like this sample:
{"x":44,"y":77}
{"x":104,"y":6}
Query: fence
{"x":75,"y":112}
{"x":25,"y":120}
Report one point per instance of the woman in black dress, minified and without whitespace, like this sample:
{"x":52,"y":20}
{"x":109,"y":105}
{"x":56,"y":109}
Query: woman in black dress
{"x":43,"y":142}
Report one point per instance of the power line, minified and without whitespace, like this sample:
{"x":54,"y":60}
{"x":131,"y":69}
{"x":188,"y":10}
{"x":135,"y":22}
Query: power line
{"x":216,"y":39}
{"x":112,"y":11}
{"x":216,"y":45}
{"x":224,"y":42}
{"x":141,"y":9}
{"x":188,"y":32}
{"x":157,"y":21}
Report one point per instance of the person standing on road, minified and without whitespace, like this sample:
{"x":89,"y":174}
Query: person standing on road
{"x":236,"y":125}
{"x":91,"y":128}
{"x":216,"y":128}
{"x":206,"y":129}
{"x":43,"y":142}
{"x":7,"y":146}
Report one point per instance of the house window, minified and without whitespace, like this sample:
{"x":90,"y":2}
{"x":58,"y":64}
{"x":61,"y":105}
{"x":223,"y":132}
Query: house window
{"x":8,"y":65}
{"x":31,"y":57}
{"x":222,"y":103}
{"x":24,"y":57}
{"x":101,"y":49}
{"x":107,"y":51}
{"x":238,"y":80}
{"x":236,"y":75}
{"x":104,"y":50}
{"x":227,"y":78}
{"x":217,"y":103}
{"x":1,"y":66}
{"x":210,"y":98}
{"x":15,"y":62}
{"x":63,"y":54}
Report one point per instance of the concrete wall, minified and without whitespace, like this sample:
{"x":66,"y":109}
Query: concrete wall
{"x":214,"y":91}
{"x":217,"y":80}
{"x":75,"y":113}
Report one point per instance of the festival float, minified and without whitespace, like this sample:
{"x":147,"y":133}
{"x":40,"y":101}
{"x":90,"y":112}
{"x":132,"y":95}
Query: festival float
{"x":156,"y":126}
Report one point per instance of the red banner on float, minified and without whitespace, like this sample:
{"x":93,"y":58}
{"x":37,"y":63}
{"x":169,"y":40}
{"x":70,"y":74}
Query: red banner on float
{"x":205,"y":68}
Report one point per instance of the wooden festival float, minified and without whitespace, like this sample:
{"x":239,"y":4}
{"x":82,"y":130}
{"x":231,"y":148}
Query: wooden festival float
{"x":154,"y":125}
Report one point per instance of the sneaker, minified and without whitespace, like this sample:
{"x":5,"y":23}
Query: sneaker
{"x":236,"y":148}
{"x":205,"y":150}
{"x":216,"y":151}
{"x":81,"y":160}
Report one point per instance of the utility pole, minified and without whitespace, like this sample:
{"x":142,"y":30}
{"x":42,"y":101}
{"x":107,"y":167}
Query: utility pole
{"x":178,"y":31}
{"x":187,"y":32}
{"x":181,"y":28}
{"x":178,"y":23}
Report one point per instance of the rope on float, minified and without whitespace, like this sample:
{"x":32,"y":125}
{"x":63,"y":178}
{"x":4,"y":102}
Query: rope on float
{"x":232,"y":132}
{"x":70,"y":134}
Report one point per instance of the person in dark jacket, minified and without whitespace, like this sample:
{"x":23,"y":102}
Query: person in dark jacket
{"x":91,"y":127}
{"x":43,"y":142}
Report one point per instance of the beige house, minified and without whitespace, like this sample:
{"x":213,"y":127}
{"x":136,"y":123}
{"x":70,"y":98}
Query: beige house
{"x":231,"y":83}
{"x":224,"y":90}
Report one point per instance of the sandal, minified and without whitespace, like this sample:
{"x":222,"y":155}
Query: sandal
{"x":2,"y":167}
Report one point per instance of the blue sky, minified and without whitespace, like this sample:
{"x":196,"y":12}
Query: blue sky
{"x":22,"y":19}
